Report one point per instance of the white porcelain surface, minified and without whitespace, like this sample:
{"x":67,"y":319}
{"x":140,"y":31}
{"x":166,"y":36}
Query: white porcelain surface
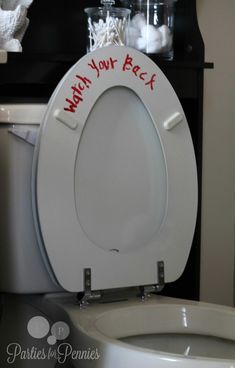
{"x":102,"y":325}
{"x":22,"y":113}
{"x":22,"y":268}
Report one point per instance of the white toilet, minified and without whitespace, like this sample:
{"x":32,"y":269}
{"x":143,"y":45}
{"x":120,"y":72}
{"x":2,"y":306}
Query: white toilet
{"x":114,"y":204}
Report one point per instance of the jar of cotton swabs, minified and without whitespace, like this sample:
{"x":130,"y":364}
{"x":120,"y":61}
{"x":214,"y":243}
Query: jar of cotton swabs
{"x":107,"y":25}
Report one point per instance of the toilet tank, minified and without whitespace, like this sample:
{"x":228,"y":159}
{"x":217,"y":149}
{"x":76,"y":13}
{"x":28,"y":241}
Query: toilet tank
{"x":22,"y":269}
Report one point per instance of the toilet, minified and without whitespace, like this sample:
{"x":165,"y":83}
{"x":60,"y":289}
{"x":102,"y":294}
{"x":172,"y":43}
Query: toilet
{"x":111,"y":219}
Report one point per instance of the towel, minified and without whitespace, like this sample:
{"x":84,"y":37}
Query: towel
{"x":13,"y":23}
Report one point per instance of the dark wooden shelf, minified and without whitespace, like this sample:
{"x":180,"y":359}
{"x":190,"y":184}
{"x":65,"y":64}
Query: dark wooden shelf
{"x":35,"y":75}
{"x":15,"y":58}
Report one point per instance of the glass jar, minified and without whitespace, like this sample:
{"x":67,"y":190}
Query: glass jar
{"x":107,"y":26}
{"x":152,"y":26}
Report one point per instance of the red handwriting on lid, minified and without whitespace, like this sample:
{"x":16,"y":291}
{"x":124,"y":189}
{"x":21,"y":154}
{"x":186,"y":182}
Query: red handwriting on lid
{"x":128,"y":65}
{"x":100,"y":68}
{"x":77,"y":93}
{"x":107,"y":64}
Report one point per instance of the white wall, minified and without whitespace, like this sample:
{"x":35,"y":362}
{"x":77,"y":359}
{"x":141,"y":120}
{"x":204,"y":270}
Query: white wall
{"x":217,"y":24}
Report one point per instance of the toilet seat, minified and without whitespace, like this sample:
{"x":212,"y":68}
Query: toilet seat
{"x":71,"y":242}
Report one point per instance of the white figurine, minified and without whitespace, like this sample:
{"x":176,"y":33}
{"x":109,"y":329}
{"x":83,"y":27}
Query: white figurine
{"x":13,"y":23}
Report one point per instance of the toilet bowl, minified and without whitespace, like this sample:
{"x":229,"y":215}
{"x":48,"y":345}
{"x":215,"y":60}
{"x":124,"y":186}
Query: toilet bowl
{"x":113,"y":179}
{"x":159,"y":331}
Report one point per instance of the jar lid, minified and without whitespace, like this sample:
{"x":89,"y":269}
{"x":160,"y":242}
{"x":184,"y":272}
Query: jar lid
{"x":129,"y":3}
{"x":108,"y":2}
{"x":102,"y":11}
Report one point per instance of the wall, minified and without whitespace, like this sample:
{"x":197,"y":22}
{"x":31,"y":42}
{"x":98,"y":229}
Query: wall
{"x":217,"y":24}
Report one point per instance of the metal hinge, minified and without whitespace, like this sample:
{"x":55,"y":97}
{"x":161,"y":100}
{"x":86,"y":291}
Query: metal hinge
{"x":145,"y":291}
{"x":89,"y":295}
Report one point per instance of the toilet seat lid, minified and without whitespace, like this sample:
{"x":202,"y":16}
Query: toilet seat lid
{"x":116,"y":181}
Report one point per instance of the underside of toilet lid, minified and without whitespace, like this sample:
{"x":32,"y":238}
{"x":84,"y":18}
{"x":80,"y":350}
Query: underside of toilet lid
{"x":116,"y":181}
